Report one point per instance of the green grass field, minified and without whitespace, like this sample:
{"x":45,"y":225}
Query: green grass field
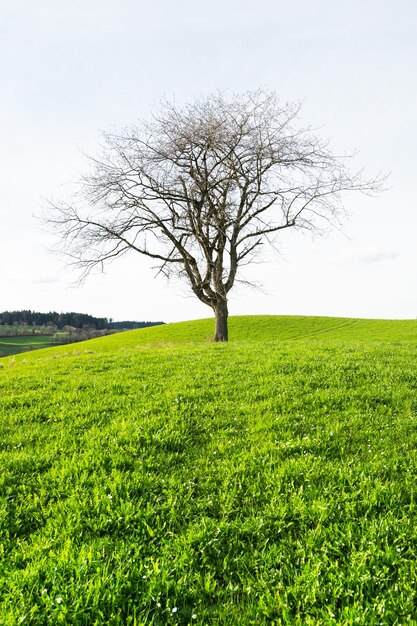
{"x":23,"y":343}
{"x":153,"y":477}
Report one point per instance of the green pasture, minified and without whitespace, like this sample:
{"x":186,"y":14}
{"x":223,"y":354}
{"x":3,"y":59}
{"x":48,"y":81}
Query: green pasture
{"x":153,"y":477}
{"x":23,"y":343}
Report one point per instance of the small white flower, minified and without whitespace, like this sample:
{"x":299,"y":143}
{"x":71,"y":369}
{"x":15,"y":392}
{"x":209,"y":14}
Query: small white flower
{"x":158,"y":605}
{"x":193,"y":616}
{"x":174,"y":610}
{"x":144,"y":576}
{"x":110,"y":496}
{"x":58,"y":599}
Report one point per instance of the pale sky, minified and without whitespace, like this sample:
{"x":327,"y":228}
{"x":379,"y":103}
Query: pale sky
{"x":70,"y":70}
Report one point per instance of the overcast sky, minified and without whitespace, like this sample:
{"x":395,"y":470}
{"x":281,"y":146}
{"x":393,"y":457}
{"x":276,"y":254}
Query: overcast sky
{"x":70,"y":70}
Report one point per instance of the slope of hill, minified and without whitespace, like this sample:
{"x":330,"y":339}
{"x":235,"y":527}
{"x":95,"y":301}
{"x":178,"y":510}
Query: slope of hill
{"x":269,"y":328}
{"x":264,"y":328}
{"x":153,"y":477}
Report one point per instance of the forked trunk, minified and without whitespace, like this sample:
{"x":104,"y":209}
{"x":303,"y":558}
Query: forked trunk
{"x":221,"y":314}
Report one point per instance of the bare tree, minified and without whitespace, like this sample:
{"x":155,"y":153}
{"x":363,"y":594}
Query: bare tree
{"x":201,"y":188}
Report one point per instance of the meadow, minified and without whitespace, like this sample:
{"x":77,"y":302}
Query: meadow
{"x":23,"y":343}
{"x":153,"y":477}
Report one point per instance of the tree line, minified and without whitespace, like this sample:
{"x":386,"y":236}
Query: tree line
{"x":61,"y":320}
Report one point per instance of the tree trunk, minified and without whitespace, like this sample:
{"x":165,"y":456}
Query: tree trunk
{"x":221,"y":314}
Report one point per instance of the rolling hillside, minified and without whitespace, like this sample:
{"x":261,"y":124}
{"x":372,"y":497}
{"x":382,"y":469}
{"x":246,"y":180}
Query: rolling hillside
{"x":153,"y":477}
{"x":264,"y":328}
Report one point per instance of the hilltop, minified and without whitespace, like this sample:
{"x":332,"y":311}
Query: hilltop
{"x":249,"y":328}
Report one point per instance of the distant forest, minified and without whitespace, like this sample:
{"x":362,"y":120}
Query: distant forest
{"x":61,"y":320}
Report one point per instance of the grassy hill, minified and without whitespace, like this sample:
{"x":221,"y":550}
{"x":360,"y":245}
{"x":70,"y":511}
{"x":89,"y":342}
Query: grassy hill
{"x":153,"y":477}
{"x":263,"y":328}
